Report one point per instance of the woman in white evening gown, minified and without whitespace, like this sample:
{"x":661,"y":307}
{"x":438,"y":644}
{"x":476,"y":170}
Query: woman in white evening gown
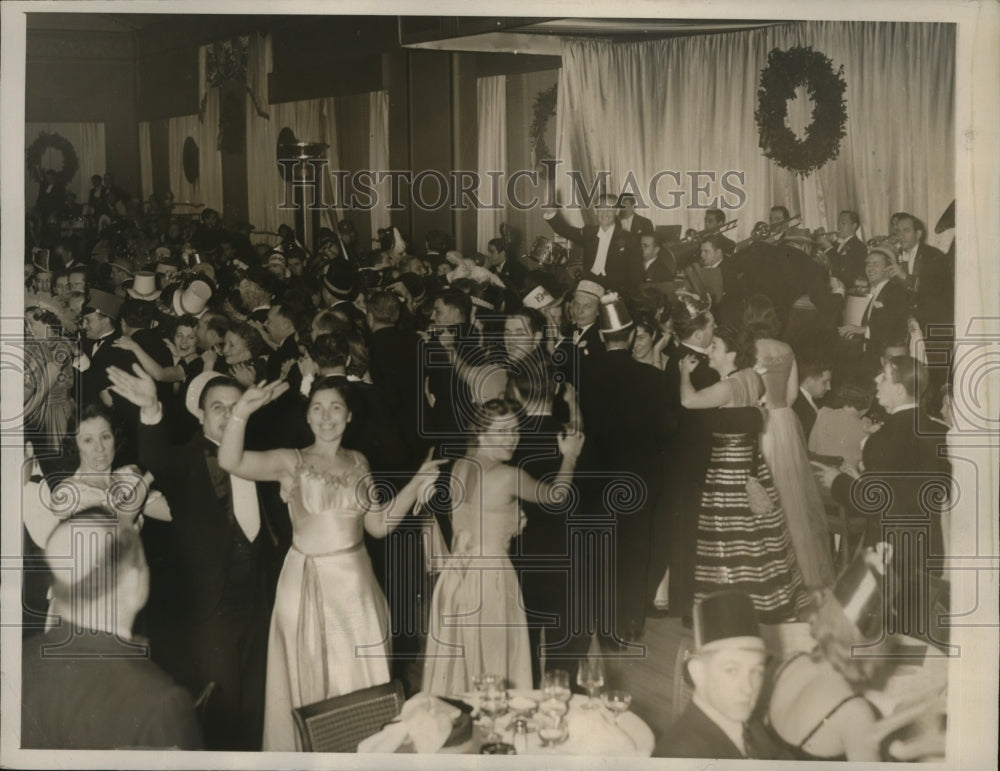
{"x":783,"y":445}
{"x":477,"y":614}
{"x":329,"y":627}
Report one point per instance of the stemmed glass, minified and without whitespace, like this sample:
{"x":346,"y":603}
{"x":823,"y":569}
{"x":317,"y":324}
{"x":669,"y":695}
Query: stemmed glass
{"x":616,"y":702}
{"x":492,"y":701}
{"x":590,"y":677}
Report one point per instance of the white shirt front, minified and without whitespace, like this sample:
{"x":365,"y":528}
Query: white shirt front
{"x":909,"y":257}
{"x":603,"y":244}
{"x":809,"y":398}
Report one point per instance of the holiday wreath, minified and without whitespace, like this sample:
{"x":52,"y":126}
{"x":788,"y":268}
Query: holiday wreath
{"x":786,"y":71}
{"x":33,"y":158}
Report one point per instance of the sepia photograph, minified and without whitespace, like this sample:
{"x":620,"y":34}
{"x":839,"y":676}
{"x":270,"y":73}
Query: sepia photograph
{"x":608,"y":385}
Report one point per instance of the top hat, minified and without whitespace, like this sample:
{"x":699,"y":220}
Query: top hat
{"x":613,"y":314}
{"x":103,"y":302}
{"x":192,"y":299}
{"x":859,"y":588}
{"x":195,"y":389}
{"x":205,"y":268}
{"x":590,"y":287}
{"x":538,"y":298}
{"x":341,"y":283}
{"x":144,"y":286}
{"x":726,"y":618}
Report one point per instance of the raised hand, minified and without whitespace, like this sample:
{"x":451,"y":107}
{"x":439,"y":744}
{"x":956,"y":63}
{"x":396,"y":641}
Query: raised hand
{"x":256,"y":396}
{"x":244,"y":372}
{"x":687,"y":364}
{"x":140,"y":389}
{"x":570,"y":443}
{"x":427,"y":475}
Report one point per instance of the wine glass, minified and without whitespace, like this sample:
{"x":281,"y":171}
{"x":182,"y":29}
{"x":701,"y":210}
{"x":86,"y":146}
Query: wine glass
{"x":590,"y":677}
{"x":555,"y":685}
{"x":493,"y":703}
{"x":553,"y":732}
{"x":616,"y":702}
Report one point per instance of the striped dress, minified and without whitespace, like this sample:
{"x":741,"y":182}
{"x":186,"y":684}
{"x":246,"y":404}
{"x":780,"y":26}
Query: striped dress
{"x":738,"y":549}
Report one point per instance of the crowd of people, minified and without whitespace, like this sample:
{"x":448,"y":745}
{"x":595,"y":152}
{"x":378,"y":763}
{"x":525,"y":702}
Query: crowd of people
{"x":331,"y":466}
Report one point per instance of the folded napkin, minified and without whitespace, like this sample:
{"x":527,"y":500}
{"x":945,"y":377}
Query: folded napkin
{"x":424,"y":720}
{"x":593,"y":732}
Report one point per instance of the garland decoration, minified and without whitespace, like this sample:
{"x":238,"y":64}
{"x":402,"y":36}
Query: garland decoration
{"x":33,"y":158}
{"x":544,"y":109}
{"x":785,"y":71}
{"x":228,"y":60}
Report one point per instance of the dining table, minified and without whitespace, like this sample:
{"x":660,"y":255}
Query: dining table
{"x":591,"y":729}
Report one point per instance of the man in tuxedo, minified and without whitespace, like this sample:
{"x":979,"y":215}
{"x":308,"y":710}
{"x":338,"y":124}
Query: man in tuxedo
{"x":884,"y":320}
{"x":97,"y":349}
{"x":658,"y":267}
{"x":611,"y":254}
{"x":904,"y":455}
{"x":846,"y":251}
{"x":507,"y":270}
{"x":714,"y":276}
{"x":814,"y":384}
{"x":88,"y":683}
{"x":283,"y":321}
{"x":926,"y":273}
{"x":715,"y":219}
{"x":628,"y":426}
{"x":778,"y":220}
{"x":675,"y":527}
{"x":447,"y":396}
{"x":583,"y":347}
{"x":727,"y":671}
{"x":211,"y":615}
{"x":628,"y":220}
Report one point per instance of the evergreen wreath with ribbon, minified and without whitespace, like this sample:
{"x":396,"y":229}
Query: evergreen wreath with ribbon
{"x":33,"y":158}
{"x":786,"y":71}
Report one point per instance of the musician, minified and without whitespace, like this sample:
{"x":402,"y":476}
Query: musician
{"x":657,"y":265}
{"x":629,"y":220}
{"x":715,"y":219}
{"x":507,"y":270}
{"x":925,"y":272}
{"x":778,"y":219}
{"x":611,"y":254}
{"x":845,"y":250}
{"x":715,"y":276}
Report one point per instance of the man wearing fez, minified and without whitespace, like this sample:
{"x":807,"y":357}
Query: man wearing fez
{"x":727,"y":671}
{"x":88,"y":683}
{"x":210,"y":593}
{"x":611,"y":254}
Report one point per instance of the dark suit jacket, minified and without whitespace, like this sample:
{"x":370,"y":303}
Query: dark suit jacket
{"x":99,"y":693}
{"x":847,"y":261}
{"x":394,"y":366}
{"x":660,"y":269}
{"x":640,"y":225}
{"x":694,"y":735}
{"x":512,"y":273}
{"x":624,"y":270}
{"x":806,"y":414}
{"x":728,"y":308}
{"x":202,"y":534}
{"x":287,"y":351}
{"x":887,"y":319}
{"x":932,"y":283}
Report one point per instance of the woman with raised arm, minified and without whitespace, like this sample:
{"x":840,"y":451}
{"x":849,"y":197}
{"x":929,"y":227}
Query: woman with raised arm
{"x":743,"y":542}
{"x":329,"y":628}
{"x":478,"y":623}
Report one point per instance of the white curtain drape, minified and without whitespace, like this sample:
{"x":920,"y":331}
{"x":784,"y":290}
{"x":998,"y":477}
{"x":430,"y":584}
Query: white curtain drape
{"x":492,"y":154}
{"x":378,"y":154}
{"x":688,"y":105}
{"x":209,"y":154}
{"x":88,"y":143}
{"x":145,"y":160}
{"x":178,"y":130}
{"x":313,"y":120}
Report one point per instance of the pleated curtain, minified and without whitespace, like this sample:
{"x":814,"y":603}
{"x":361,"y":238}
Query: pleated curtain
{"x":688,"y":105}
{"x":145,"y":160}
{"x":492,"y":152}
{"x":378,"y":154}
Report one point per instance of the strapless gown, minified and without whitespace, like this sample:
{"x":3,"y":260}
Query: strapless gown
{"x":478,"y":624}
{"x":329,"y":627}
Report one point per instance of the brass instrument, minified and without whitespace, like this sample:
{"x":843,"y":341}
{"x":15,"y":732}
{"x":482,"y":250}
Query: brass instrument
{"x":685,"y":251}
{"x":761,"y":232}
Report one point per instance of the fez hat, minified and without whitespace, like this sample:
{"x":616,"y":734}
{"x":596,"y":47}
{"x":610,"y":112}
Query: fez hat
{"x":859,"y":589}
{"x":613,"y":314}
{"x":538,"y":298}
{"x":726,"y":618}
{"x":590,"y":287}
{"x":144,"y":286}
{"x":195,"y":389}
{"x":103,"y":302}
